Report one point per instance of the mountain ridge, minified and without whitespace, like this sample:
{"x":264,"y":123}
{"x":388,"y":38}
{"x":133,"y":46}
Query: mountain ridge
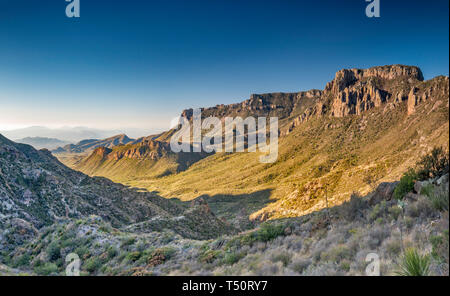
{"x":358,"y":107}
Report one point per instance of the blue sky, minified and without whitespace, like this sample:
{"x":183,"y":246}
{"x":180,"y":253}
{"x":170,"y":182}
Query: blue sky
{"x":138,"y":63}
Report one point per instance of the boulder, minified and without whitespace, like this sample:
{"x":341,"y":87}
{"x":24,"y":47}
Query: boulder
{"x":384,"y":191}
{"x":418,"y":185}
{"x":442,"y":180}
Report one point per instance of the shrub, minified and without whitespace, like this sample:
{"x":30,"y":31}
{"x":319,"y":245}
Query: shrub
{"x":23,"y":260}
{"x":209,"y":256}
{"x":422,"y":207}
{"x":53,"y":251}
{"x":406,"y":185}
{"x":337,"y":254}
{"x":269,"y":231}
{"x":112,"y":252}
{"x":394,"y":247}
{"x":232,"y":258}
{"x":395,"y":212}
{"x":283,"y":257}
{"x":378,"y":211}
{"x":92,"y":264}
{"x":46,"y":269}
{"x":434,"y":164}
{"x":352,"y":208}
{"x":440,"y":244}
{"x":133,"y":256}
{"x":168,"y":252}
{"x":345,"y":265}
{"x":439,"y":201}
{"x":300,"y":265}
{"x":414,"y":264}
{"x":129,"y":241}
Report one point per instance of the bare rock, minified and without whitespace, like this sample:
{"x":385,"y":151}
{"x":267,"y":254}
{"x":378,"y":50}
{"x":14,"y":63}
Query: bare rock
{"x":384,"y":191}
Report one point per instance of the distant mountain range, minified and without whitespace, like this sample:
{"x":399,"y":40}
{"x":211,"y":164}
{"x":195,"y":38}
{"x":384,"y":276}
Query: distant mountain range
{"x":70,"y":134}
{"x":91,"y":144}
{"x":41,"y":142}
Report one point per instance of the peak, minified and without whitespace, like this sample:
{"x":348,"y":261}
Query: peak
{"x":120,"y":136}
{"x":347,"y":77}
{"x":4,"y":140}
{"x":385,"y":72}
{"x":102,"y":151}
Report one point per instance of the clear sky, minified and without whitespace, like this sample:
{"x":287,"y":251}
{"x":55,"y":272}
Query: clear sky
{"x":138,"y":63}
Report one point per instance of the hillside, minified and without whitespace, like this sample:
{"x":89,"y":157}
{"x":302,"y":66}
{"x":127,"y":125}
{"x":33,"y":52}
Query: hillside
{"x":333,"y":142}
{"x":36,"y":190}
{"x":331,"y":242}
{"x":90,"y":144}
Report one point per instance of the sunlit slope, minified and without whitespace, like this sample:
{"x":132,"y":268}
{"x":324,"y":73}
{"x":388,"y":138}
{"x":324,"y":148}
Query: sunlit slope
{"x":324,"y":155}
{"x":367,"y":126}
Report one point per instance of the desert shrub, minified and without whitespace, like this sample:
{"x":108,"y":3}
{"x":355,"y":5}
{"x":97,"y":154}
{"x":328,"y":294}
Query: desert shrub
{"x":337,"y":254}
{"x":23,"y":260}
{"x":354,"y":207}
{"x":46,"y":269}
{"x":378,"y":211}
{"x":129,"y":241}
{"x":168,"y":252}
{"x":231,"y":258}
{"x":300,"y":265}
{"x":422,"y":207}
{"x":82,"y":251}
{"x":269,"y":231}
{"x":394,"y":247}
{"x":405,"y":185}
{"x":209,"y":256}
{"x":155,"y":257}
{"x":414,"y":264}
{"x":427,"y":190}
{"x":434,"y":164}
{"x":54,"y":251}
{"x":133,"y":256}
{"x":395,"y":212}
{"x":440,"y":201}
{"x":112,"y":252}
{"x":440,"y":247}
{"x":345,"y":265}
{"x":92,"y":264}
{"x":283,"y":257}
{"x":409,"y":222}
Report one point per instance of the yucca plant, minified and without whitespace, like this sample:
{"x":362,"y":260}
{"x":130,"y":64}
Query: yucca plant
{"x":414,"y":264}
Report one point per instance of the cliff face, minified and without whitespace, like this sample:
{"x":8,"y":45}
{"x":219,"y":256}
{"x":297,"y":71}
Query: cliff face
{"x":148,"y":149}
{"x":281,"y":105}
{"x":354,"y":91}
{"x":435,"y":88}
{"x":351,"y":92}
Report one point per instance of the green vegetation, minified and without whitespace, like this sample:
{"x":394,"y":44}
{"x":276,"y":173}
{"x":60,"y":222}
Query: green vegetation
{"x":440,"y":244}
{"x":434,"y":164}
{"x":414,"y":264}
{"x":406,"y":185}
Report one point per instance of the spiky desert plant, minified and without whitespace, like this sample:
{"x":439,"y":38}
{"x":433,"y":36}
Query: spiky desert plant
{"x":414,"y":264}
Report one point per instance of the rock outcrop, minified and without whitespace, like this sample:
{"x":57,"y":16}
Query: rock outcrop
{"x":354,"y":91}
